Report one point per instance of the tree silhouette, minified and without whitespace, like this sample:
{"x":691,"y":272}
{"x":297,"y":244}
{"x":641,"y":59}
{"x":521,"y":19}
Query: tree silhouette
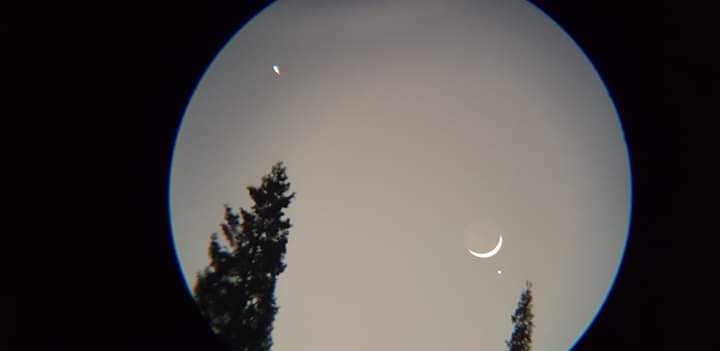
{"x":236,"y":291}
{"x":521,"y":339}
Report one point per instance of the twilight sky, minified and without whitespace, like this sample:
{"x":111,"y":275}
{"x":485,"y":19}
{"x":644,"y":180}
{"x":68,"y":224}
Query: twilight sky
{"x":407,"y":127}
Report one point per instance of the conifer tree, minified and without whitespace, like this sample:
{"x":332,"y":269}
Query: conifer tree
{"x":521,"y":339}
{"x":236,"y":291}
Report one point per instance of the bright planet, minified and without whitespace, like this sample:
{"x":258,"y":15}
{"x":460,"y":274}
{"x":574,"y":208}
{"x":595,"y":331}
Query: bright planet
{"x":411,"y":129}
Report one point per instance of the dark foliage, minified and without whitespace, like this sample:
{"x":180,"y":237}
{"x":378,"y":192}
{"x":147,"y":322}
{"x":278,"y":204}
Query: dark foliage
{"x":521,"y":339}
{"x":236,"y":291}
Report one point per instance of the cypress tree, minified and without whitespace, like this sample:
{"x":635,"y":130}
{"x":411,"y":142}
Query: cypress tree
{"x":521,"y":339}
{"x":236,"y":292}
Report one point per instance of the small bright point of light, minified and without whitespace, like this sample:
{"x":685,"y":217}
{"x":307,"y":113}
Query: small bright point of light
{"x":499,"y":271}
{"x":276,"y":69}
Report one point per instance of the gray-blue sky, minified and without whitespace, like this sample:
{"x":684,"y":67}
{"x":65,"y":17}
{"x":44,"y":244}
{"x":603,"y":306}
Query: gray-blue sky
{"x":401,"y":125}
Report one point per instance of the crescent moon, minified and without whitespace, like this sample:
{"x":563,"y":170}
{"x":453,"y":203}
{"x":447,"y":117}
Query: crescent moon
{"x":490,"y":253}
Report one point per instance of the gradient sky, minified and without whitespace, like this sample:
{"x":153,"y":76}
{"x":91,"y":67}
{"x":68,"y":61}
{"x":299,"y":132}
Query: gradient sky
{"x":404,"y":125}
